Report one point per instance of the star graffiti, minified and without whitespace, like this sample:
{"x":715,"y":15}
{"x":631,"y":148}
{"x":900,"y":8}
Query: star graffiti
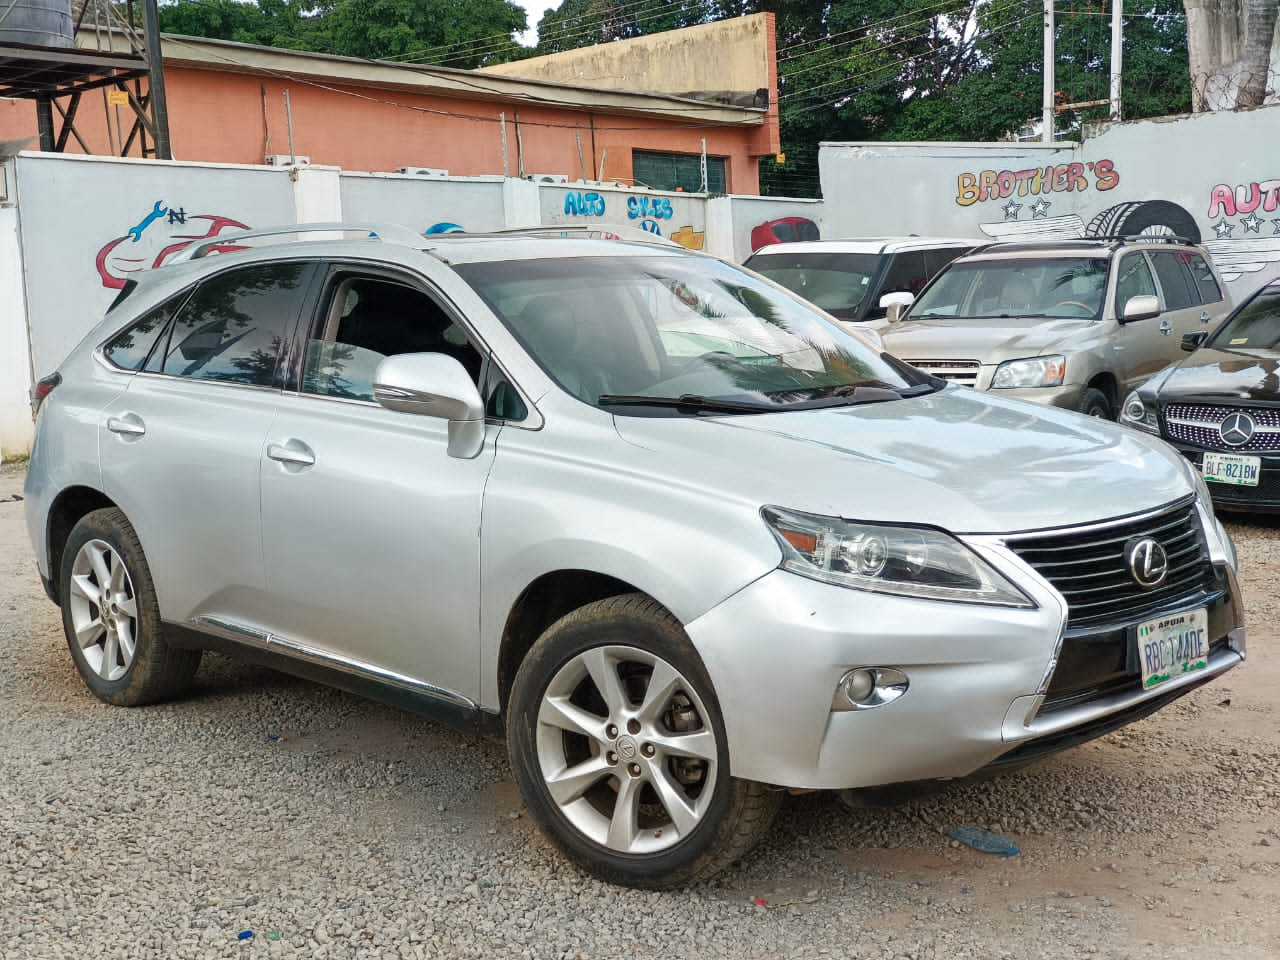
{"x":1223,"y":229}
{"x":1252,"y":223}
{"x":1011,"y":210}
{"x":1041,"y":208}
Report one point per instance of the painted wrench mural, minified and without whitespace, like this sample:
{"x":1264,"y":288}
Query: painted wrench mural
{"x":156,"y":237}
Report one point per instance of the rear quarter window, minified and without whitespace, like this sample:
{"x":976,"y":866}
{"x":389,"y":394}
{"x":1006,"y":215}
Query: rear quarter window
{"x":130,"y":348}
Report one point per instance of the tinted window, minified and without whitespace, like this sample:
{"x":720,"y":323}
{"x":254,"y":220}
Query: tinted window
{"x":1203,"y":276}
{"x":1255,"y":327}
{"x":784,"y":231}
{"x":1134,"y":280}
{"x":907,"y":274}
{"x":128,"y":349}
{"x":235,"y":325}
{"x":935,"y":260}
{"x":836,"y":282}
{"x":1175,"y":279}
{"x":807,"y":230}
{"x":367,"y":319}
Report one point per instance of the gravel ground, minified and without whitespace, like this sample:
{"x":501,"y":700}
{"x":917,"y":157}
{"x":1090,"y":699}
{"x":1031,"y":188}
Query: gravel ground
{"x":334,"y":827}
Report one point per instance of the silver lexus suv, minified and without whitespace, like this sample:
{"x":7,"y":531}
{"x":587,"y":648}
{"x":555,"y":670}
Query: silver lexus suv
{"x":1073,"y":323}
{"x":680,"y":538}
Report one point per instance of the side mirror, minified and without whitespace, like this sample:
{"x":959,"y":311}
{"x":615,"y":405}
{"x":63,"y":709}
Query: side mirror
{"x":434,"y":385}
{"x":1193,"y":341}
{"x":895,"y":304}
{"x":1140,"y":308}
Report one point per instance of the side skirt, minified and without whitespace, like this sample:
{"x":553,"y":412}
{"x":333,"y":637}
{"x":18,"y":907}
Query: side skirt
{"x":266,"y":651}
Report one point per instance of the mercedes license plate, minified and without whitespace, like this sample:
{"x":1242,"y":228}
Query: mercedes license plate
{"x":1231,"y":468}
{"x":1173,"y":646}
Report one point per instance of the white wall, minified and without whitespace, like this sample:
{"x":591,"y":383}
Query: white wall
{"x":1212,"y":177}
{"x":82,"y":225}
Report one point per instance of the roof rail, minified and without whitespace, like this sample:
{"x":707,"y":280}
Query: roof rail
{"x":386,"y":232}
{"x":1144,"y":238}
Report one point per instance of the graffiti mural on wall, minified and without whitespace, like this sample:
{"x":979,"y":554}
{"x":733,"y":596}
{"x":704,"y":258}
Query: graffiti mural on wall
{"x":444,"y":226}
{"x":1233,"y":213}
{"x":986,"y":185}
{"x":162,"y":232}
{"x":688,"y":237}
{"x":579,"y":204}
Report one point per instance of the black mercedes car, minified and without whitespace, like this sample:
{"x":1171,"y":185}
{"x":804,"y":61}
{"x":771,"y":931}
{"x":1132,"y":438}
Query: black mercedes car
{"x":1221,"y":405}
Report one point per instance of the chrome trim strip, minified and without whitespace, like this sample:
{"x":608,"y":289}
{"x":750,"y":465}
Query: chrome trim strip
{"x":1100,"y":525}
{"x":1207,"y":425}
{"x":265,"y":640}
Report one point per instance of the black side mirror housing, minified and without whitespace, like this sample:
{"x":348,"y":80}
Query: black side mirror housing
{"x":1193,"y":341}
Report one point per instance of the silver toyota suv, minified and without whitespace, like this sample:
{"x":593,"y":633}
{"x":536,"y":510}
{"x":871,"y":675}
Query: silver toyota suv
{"x":681,"y":539}
{"x":1073,"y":323}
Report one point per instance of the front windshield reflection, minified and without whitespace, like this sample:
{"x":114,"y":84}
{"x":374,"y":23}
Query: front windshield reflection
{"x":1255,"y":328}
{"x":1066,"y":287}
{"x":675,"y":326}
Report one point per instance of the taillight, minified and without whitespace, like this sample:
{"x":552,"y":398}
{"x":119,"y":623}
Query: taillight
{"x":41,"y":390}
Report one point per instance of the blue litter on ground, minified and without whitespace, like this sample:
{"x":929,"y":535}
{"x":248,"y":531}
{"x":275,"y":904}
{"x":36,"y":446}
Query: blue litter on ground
{"x":985,"y":841}
{"x":244,"y":935}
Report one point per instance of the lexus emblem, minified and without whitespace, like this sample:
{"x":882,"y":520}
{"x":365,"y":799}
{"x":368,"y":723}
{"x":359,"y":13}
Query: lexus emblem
{"x":1148,"y":562}
{"x":1237,"y":429}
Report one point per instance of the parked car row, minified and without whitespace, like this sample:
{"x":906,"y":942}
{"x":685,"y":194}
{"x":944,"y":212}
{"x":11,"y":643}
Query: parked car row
{"x":1089,"y":325}
{"x":683,"y":540}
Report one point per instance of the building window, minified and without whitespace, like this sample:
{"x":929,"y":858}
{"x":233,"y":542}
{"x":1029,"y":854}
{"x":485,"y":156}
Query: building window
{"x":677,"y":171}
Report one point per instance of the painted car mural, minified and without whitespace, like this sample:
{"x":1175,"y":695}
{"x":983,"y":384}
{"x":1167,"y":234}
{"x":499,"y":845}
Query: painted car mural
{"x":158,"y":235}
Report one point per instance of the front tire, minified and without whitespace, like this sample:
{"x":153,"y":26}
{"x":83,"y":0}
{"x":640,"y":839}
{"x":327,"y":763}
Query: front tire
{"x":111,"y":618}
{"x":618,"y":747}
{"x":1094,"y":403}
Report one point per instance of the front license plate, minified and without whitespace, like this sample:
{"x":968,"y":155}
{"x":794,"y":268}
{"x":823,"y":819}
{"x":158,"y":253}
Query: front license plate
{"x":1173,"y":646}
{"x":1231,"y":468}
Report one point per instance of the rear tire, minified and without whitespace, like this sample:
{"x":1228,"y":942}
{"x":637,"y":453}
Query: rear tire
{"x":630,"y":780}
{"x":111,"y":618}
{"x":1094,"y":403}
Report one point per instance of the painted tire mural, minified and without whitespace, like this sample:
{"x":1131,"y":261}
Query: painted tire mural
{"x":1155,"y":217}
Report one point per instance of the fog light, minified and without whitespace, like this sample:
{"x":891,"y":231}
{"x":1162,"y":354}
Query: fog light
{"x":868,"y":687}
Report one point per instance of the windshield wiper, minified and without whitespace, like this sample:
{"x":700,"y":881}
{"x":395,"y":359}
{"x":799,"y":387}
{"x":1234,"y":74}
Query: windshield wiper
{"x":877,"y":393}
{"x":691,"y":402}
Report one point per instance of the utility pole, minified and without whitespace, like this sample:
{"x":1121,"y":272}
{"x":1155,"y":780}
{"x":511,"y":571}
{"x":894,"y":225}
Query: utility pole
{"x":155,"y":62}
{"x":1117,"y":55}
{"x":1046,"y":134}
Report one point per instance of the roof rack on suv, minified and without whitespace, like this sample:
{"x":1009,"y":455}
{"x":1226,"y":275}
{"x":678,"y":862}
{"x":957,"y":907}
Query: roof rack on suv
{"x":1067,"y":243}
{"x":386,"y":232}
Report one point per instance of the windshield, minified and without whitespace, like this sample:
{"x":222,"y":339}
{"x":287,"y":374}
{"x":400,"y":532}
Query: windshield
{"x":1254,"y":328}
{"x":836,"y":282}
{"x":1048,"y":287}
{"x":675,"y":327}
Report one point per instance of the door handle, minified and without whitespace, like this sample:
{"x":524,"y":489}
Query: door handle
{"x":1204,"y":316}
{"x":127,"y":425}
{"x":291,"y":452}
{"x":1166,"y":327}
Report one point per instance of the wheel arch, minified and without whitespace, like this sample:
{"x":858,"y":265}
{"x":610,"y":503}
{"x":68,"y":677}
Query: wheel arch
{"x":1109,"y":384}
{"x":68,"y":507}
{"x":544,"y":601}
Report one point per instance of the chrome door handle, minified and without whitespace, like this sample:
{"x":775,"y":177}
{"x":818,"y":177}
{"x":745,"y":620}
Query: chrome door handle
{"x":1204,"y":316}
{"x":1166,"y":327}
{"x":291,"y":452}
{"x":127,"y":425}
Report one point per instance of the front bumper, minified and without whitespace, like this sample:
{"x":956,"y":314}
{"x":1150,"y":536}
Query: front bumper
{"x":978,"y":675}
{"x":1264,"y":498}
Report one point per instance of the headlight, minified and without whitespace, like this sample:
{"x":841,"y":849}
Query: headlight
{"x":909,"y":561}
{"x":1032,"y":372}
{"x":1140,"y":414}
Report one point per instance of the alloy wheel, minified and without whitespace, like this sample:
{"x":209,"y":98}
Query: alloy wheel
{"x":625,"y":750}
{"x":104,"y":609}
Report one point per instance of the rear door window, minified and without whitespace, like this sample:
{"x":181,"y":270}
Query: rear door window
{"x":1206,"y":285}
{"x":1175,"y":279}
{"x":130,"y":348}
{"x":236,"y":325}
{"x":935,"y":260}
{"x":907,"y":274}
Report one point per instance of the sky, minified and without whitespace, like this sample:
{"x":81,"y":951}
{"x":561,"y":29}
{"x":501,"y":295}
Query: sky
{"x":535,"y":9}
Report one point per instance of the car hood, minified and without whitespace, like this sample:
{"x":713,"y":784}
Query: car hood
{"x":1211,"y":373}
{"x":957,"y":459}
{"x":990,"y":341}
